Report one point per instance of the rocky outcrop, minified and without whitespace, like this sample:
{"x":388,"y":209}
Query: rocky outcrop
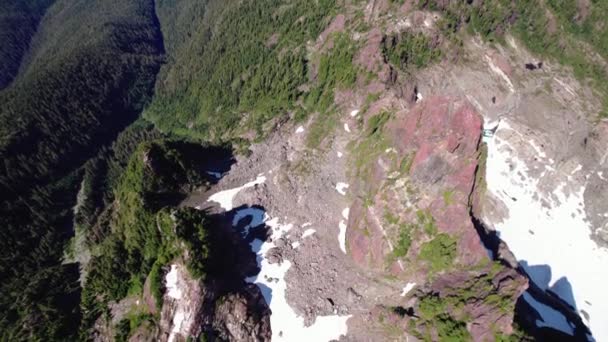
{"x":418,"y":226}
{"x":242,"y":316}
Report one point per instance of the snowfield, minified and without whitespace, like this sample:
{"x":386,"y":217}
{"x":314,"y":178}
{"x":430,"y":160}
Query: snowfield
{"x":551,"y":241}
{"x":224,"y":198}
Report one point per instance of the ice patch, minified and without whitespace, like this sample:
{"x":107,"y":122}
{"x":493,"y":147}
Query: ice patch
{"x":308,"y":232}
{"x":354,"y":113}
{"x":561,"y":237}
{"x":224,"y":198}
{"x":550,"y":317}
{"x":173,"y":290}
{"x":285,"y":323}
{"x":300,"y":129}
{"x":408,"y":287}
{"x":346,"y":128}
{"x":341,"y":188}
{"x":342,"y":236}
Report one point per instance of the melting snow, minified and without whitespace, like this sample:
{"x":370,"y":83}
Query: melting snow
{"x":560,"y":255}
{"x":308,"y":232}
{"x":173,"y":290}
{"x":224,"y":198}
{"x":300,"y":129}
{"x":342,"y":236}
{"x":354,"y":113}
{"x":346,"y":128}
{"x":341,"y":188}
{"x":408,"y":287}
{"x":285,"y":323}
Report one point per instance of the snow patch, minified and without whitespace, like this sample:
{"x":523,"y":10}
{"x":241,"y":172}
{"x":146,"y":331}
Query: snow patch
{"x":308,"y":232}
{"x":346,"y":128}
{"x":341,"y":188}
{"x":300,"y":130}
{"x":345,"y":213}
{"x":340,"y":154}
{"x":408,"y":287}
{"x":224,"y":198}
{"x":295,"y":245}
{"x":342,"y":236}
{"x":307,"y":224}
{"x":354,"y":113}
{"x":173,"y":290}
{"x":285,"y":323}
{"x":561,"y":251}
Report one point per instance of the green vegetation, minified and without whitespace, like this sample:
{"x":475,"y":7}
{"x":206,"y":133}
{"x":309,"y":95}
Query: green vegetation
{"x":439,"y":252}
{"x":434,"y":314}
{"x":335,"y":70}
{"x":145,"y":232}
{"x":409,"y":51}
{"x":246,"y":62}
{"x":127,"y":326}
{"x":404,"y":242}
{"x":446,"y":314}
{"x":371,"y":145}
{"x":427,"y":221}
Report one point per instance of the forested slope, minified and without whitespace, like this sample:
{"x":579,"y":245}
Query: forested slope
{"x":90,"y":70}
{"x":236,"y":65}
{"x":18,"y":23}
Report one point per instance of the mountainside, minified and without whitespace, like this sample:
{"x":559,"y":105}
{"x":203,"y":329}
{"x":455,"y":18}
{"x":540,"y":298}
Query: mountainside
{"x":296,"y":170}
{"x":18,"y":23}
{"x":90,"y":68}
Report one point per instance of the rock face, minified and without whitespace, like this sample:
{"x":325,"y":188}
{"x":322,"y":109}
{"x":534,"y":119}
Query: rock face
{"x":418,"y":226}
{"x":194,"y":308}
{"x":242,"y":316}
{"x":436,"y":150}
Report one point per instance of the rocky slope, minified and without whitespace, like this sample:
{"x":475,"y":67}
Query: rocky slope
{"x":380,"y":223}
{"x":440,"y":197}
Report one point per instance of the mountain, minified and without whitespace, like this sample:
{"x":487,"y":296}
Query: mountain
{"x":294,"y":170}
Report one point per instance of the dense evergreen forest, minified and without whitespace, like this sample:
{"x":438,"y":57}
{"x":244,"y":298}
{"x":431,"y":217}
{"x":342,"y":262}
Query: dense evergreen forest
{"x":91,"y":89}
{"x":86,"y":77}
